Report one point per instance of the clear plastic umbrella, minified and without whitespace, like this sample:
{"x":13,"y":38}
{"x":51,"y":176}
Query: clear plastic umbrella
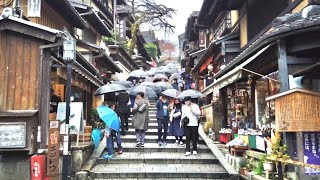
{"x":175,"y":76}
{"x":127,"y":84}
{"x":108,"y":88}
{"x":171,"y":93}
{"x":149,"y":92}
{"x":138,"y":73}
{"x":152,"y":86}
{"x":190,"y":92}
{"x":164,"y":85}
{"x":160,"y":76}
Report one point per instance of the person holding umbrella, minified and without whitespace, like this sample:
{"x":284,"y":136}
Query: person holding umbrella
{"x":162,"y":119}
{"x":122,"y":110}
{"x":175,"y":118}
{"x":175,"y":84}
{"x":107,"y":114}
{"x":190,"y":111}
{"x":140,"y":118}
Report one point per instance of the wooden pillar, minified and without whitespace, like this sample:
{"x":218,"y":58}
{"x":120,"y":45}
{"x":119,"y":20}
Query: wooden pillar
{"x":44,"y":94}
{"x":293,"y":140}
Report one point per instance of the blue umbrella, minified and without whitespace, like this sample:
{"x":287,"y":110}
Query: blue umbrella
{"x":109,"y":117}
{"x":96,"y":136}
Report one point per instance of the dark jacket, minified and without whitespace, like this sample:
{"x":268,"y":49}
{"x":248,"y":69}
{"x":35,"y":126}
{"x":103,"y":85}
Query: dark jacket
{"x":175,"y":86}
{"x":123,"y":99}
{"x":159,"y":105}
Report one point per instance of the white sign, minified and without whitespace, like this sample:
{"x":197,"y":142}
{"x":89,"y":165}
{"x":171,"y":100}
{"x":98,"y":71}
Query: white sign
{"x":34,"y":8}
{"x":13,"y":135}
{"x":76,"y":117}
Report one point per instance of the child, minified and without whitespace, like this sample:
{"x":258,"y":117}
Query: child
{"x":110,"y":134}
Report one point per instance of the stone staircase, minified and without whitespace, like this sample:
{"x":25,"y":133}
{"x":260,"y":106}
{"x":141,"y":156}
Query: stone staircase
{"x":154,"y":162}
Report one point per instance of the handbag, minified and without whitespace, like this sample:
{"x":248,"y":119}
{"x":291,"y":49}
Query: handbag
{"x":185,"y":121}
{"x":142,"y":108}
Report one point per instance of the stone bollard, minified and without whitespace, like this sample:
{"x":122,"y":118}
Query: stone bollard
{"x":82,"y":175}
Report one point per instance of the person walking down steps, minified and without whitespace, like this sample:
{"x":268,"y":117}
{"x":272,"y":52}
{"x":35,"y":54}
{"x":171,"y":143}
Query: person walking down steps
{"x":162,"y":119}
{"x":140,"y":118}
{"x":191,"y":111}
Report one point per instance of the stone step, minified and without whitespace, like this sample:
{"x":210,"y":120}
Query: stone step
{"x":142,"y":170}
{"x":154,"y":147}
{"x":160,"y":158}
{"x":151,"y":125}
{"x":152,"y":139}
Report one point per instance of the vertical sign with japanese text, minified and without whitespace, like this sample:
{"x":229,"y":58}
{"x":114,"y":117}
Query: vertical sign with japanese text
{"x":311,"y":143}
{"x":34,"y":8}
{"x":202,"y":38}
{"x":53,"y":148}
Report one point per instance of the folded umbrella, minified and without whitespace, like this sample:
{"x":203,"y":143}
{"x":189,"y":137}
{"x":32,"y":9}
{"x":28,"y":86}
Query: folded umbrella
{"x":108,"y":88}
{"x":127,"y":84}
{"x":96,"y":136}
{"x":138,"y":73}
{"x":171,"y":93}
{"x":190,"y":92}
{"x":164,"y":85}
{"x":149,"y":92}
{"x":109,"y":117}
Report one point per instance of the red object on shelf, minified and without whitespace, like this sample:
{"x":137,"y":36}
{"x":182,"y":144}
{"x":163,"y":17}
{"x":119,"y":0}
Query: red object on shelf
{"x":38,"y":167}
{"x":225,"y":137}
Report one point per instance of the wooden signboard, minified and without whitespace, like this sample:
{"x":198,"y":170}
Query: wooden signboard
{"x":297,"y":110}
{"x":53,"y":148}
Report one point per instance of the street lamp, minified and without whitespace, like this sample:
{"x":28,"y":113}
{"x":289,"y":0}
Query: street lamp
{"x":69,"y":56}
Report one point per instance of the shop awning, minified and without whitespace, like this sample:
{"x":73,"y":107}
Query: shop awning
{"x":233,"y":75}
{"x":108,"y":61}
{"x":98,"y":23}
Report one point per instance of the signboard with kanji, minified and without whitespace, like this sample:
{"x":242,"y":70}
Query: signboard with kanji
{"x":311,"y":142}
{"x":53,"y":148}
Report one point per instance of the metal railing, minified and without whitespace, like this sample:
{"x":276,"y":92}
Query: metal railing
{"x":223,"y":26}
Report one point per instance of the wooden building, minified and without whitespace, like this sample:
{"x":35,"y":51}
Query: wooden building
{"x":270,"y":51}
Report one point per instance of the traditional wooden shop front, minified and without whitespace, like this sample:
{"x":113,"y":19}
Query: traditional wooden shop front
{"x":28,"y":53}
{"x":285,"y":50}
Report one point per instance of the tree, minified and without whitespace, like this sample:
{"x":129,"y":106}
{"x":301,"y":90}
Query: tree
{"x":151,"y":49}
{"x":148,"y":11}
{"x":167,"y":48}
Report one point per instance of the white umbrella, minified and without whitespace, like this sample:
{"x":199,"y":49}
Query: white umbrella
{"x":190,"y":92}
{"x":175,"y":76}
{"x":149,"y":92}
{"x":138,"y":73}
{"x":164,"y":85}
{"x":108,"y":88}
{"x":171,"y":93}
{"x":160,"y":76}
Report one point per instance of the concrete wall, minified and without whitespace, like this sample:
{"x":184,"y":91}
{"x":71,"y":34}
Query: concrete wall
{"x":14,"y":167}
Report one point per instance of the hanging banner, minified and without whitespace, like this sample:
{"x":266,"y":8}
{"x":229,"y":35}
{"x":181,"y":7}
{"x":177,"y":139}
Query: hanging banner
{"x":311,"y":143}
{"x":34,"y":8}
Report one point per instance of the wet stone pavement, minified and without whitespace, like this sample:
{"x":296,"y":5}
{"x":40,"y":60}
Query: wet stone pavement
{"x":158,"y":162}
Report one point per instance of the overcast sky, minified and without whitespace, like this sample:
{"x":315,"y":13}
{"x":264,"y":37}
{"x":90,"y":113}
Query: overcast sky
{"x":184,"y":9}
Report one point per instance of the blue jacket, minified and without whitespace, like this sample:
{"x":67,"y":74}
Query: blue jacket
{"x":160,"y":113}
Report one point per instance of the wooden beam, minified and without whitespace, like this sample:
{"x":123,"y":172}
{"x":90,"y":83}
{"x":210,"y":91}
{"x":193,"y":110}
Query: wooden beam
{"x":283,"y":66}
{"x":293,"y":60}
{"x":44,"y":94}
{"x":304,"y":43}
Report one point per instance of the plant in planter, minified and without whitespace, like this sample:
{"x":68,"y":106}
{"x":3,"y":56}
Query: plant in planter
{"x":258,"y":170}
{"x":109,"y":40}
{"x":267,"y":165}
{"x":243,"y":167}
{"x":250,"y":166}
{"x":278,"y":150}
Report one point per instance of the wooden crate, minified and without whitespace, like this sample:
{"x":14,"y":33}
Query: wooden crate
{"x":297,"y":110}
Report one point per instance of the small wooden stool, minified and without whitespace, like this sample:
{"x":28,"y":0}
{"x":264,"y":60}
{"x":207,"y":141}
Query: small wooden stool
{"x":236,"y":150}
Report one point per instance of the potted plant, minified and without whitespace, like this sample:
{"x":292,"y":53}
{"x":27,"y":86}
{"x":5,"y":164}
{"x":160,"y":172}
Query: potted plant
{"x":267,"y":165}
{"x":250,"y":166}
{"x":243,"y":167}
{"x":258,"y":170}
